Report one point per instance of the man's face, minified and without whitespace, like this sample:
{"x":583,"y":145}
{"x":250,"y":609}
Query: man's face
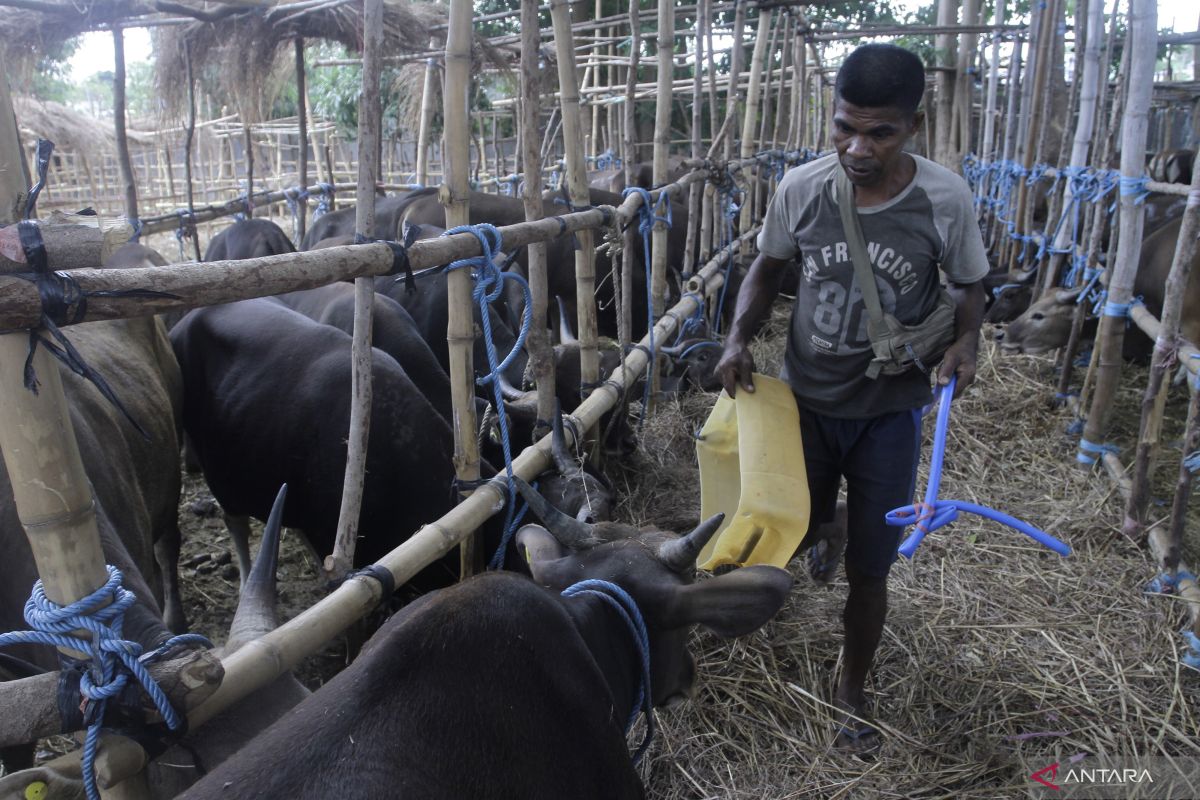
{"x":869,"y":140}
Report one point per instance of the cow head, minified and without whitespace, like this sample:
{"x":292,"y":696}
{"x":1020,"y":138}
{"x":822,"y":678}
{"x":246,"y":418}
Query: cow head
{"x":573,"y":487}
{"x":658,"y":570}
{"x":1045,"y":325}
{"x":1011,"y":300}
{"x":695,"y":362}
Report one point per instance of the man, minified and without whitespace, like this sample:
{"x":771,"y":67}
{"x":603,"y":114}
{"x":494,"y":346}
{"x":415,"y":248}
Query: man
{"x":916,"y":216}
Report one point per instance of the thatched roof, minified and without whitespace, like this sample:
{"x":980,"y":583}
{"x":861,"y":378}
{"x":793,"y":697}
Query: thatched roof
{"x":70,"y":130}
{"x":251,"y":51}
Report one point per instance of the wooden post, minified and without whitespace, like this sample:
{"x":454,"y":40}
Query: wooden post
{"x":693,"y":230}
{"x":625,"y":327}
{"x":249,"y":147}
{"x":577,"y":191}
{"x":131,"y":198}
{"x":753,"y":102}
{"x":947,"y":17}
{"x":1142,"y":43}
{"x":662,"y":144}
{"x":1165,"y":353}
{"x":341,"y":560}
{"x":302,"y":135}
{"x":187,"y":148}
{"x":50,"y":490}
{"x":1170,"y":553}
{"x":540,"y":355}
{"x":455,"y":195}
{"x":1085,"y":123}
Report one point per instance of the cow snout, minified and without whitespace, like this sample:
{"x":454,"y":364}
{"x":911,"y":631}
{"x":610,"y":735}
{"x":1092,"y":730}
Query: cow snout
{"x":999,"y":335}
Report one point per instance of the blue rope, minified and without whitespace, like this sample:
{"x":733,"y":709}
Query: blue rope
{"x":1166,"y":583}
{"x":1191,"y":462}
{"x":1191,"y":657}
{"x":1135,"y":187}
{"x":113,"y":658}
{"x":325,"y":202}
{"x":1090,"y":452}
{"x":620,"y":601}
{"x":489,"y":286}
{"x":934,"y":513}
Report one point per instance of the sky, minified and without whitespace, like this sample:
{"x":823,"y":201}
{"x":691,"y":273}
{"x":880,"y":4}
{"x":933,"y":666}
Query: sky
{"x":95,"y":53}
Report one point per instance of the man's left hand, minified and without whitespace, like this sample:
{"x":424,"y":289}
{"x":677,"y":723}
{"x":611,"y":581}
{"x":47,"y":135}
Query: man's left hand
{"x":960,"y":361}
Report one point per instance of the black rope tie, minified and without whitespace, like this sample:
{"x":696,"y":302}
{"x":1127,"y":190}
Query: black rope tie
{"x":59,"y":293}
{"x":45,"y":148}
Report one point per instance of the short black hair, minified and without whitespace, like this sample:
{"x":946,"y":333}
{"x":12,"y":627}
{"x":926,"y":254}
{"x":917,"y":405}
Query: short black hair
{"x":880,"y":75}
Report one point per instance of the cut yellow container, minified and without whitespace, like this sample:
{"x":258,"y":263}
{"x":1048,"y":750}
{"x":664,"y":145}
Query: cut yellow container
{"x":752,"y":469}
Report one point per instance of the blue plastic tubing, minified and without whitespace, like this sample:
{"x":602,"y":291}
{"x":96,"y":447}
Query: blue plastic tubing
{"x":934,"y":513}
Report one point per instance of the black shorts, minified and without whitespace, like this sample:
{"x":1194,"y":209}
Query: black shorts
{"x":878,"y":457}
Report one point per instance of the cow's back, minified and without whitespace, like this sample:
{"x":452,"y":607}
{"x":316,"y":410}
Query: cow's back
{"x":484,"y":690}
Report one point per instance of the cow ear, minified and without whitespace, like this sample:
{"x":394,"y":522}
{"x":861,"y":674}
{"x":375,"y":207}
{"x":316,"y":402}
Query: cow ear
{"x":546,"y":557}
{"x":732,"y":604}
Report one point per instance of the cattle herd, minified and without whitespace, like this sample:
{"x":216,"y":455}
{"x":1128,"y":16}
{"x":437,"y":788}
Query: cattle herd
{"x":498,"y":686}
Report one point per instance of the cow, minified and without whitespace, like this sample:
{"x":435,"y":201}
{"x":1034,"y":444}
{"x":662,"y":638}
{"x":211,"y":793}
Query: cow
{"x":1046,"y":325}
{"x":249,"y":238}
{"x":341,"y":222}
{"x":424,"y":208}
{"x":267,"y":401}
{"x":1172,"y":166}
{"x":185,"y":761}
{"x":501,"y":686}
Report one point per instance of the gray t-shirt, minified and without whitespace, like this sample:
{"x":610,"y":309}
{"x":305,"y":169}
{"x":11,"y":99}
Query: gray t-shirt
{"x":930,"y":224}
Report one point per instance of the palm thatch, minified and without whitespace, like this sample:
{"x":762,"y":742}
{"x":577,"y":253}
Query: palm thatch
{"x":70,"y":130}
{"x":248,"y":50}
{"x":27,"y":37}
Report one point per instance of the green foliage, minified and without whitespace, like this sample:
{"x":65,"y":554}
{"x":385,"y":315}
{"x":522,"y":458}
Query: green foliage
{"x":49,"y":79}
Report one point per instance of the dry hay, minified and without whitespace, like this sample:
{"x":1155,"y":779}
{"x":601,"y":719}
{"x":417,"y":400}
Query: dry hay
{"x":999,"y":657}
{"x":70,"y":130}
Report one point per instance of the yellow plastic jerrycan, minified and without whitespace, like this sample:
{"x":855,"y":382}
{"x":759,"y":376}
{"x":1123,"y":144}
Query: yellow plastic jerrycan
{"x":752,"y":468}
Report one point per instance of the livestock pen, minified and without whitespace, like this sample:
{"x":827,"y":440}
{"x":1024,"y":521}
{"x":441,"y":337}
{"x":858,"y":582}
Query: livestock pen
{"x":999,"y":658}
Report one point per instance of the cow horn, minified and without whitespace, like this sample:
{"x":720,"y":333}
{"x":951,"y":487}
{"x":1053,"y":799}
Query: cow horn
{"x":255,"y":615}
{"x":558,"y":447}
{"x":566,"y":334}
{"x":680,"y":554}
{"x":509,"y":391}
{"x":568,"y":530}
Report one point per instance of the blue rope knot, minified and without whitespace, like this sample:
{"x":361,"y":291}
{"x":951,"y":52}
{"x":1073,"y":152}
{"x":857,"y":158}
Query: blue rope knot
{"x":1135,"y":187}
{"x":933,"y":513}
{"x":293,"y":195}
{"x":325,"y":202}
{"x":1191,"y":462}
{"x":1191,"y":658}
{"x":1168,"y":583}
{"x":625,"y":606}
{"x":113,"y":658}
{"x":1090,"y":452}
{"x":489,"y":286}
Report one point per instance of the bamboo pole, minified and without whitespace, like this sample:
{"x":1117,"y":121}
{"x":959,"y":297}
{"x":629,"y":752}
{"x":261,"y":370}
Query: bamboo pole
{"x":1166,"y":352}
{"x":737,"y":57}
{"x":426,"y":121}
{"x":1141,"y":43}
{"x":800,"y":89}
{"x":540,"y":354}
{"x":961,"y":140}
{"x":577,"y":192}
{"x":662,"y":142}
{"x":341,"y":561}
{"x":187,"y":148}
{"x":130,"y":188}
{"x":693,"y":230}
{"x":1085,"y":123}
{"x":50,"y":490}
{"x":455,"y":194}
{"x":1168,"y":548}
{"x":249,"y":147}
{"x":753,"y":105}
{"x":785,"y":56}
{"x":947,"y":15}
{"x":302,"y":136}
{"x":629,"y":145}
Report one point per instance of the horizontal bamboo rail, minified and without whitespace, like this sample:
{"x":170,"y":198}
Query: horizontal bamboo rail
{"x":192,"y":284}
{"x":262,"y":660}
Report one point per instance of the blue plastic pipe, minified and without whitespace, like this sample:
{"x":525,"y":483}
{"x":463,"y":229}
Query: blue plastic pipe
{"x":933,"y":513}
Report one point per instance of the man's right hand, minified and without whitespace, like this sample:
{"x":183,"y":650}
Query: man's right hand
{"x":736,"y":368}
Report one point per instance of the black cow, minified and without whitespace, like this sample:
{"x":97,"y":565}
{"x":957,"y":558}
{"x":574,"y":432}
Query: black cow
{"x":249,"y":238}
{"x":500,"y":687}
{"x":267,"y":402}
{"x":341,"y":222}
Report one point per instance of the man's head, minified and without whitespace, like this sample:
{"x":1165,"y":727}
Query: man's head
{"x":878,"y":90}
